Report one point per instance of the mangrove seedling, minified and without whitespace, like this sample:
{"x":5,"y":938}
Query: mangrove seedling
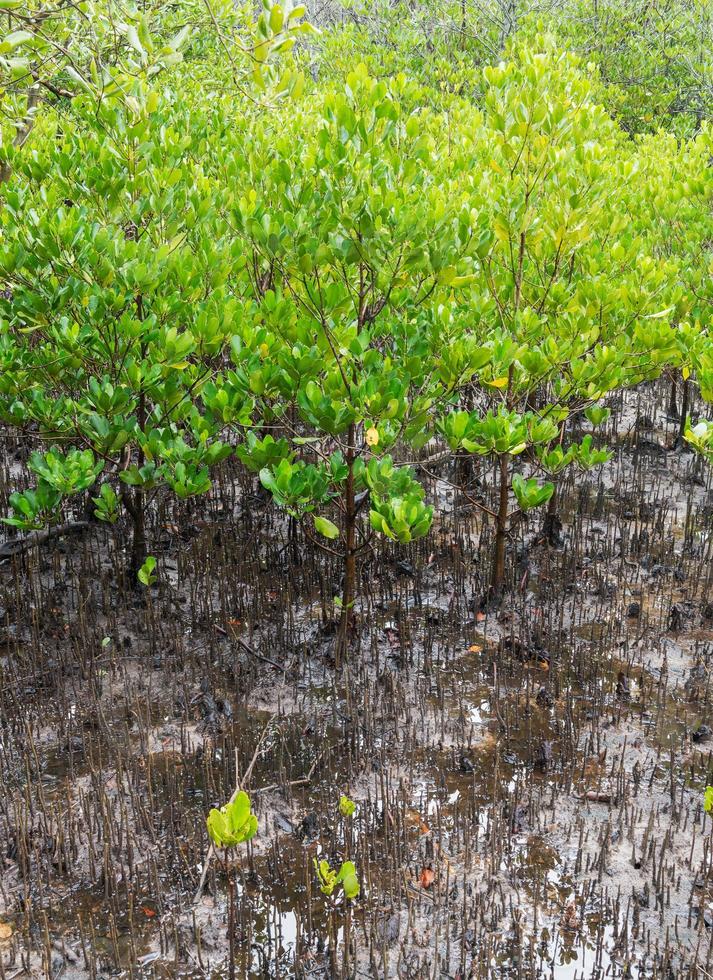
{"x":146,"y":574}
{"x":347,"y":807}
{"x":332,"y":883}
{"x":330,"y":880}
{"x":228,"y":827}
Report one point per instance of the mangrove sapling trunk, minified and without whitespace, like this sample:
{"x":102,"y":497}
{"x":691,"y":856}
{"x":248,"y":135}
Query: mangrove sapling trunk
{"x":230,"y":874}
{"x":672,"y":406}
{"x":292,"y":539}
{"x":138,"y":548}
{"x":346,"y":622}
{"x":501,"y":526}
{"x":139,"y":551}
{"x":332,"y":936}
{"x":347,"y":940}
{"x":135,"y":506}
{"x":552,"y":525}
{"x":465,"y":469}
{"x":685,"y":407}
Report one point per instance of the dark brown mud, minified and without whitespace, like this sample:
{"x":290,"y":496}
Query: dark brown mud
{"x":529,"y":777}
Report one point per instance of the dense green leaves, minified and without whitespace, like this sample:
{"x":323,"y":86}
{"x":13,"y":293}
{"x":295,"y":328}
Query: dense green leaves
{"x":326,"y":290}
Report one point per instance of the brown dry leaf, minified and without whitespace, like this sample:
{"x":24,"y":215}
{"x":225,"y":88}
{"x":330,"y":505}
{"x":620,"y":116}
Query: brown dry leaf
{"x":475,"y":648}
{"x":427,"y":877}
{"x":479,"y":617}
{"x":413,"y":817}
{"x":6,"y":931}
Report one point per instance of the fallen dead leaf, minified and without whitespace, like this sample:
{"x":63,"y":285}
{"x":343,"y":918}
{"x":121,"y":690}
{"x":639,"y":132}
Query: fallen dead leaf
{"x":414,"y":819}
{"x":6,"y":931}
{"x":427,"y":877}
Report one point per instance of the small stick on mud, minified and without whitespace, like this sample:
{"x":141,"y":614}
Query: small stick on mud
{"x":294,"y":782}
{"x":247,"y":648}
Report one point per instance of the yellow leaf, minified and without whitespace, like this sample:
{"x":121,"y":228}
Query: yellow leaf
{"x":372,"y":437}
{"x":686,"y":372}
{"x":498,"y":382}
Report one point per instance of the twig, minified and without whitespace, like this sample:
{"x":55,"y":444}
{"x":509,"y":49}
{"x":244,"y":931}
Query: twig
{"x":248,"y":649}
{"x":293,"y":782}
{"x":253,"y":653}
{"x":249,"y":771}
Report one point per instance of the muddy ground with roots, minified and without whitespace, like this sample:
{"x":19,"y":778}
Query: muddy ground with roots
{"x":529,"y":776}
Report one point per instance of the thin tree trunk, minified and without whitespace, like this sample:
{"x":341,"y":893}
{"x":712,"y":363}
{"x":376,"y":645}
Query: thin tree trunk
{"x":138,"y":554}
{"x":498,"y":574}
{"x":349,"y":587}
{"x":138,"y":544}
{"x":552,"y":525}
{"x":685,"y":405}
{"x":134,"y":505}
{"x":672,"y":406}
{"x":231,"y":921}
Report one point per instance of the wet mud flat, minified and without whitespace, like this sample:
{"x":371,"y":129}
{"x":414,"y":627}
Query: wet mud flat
{"x":528,"y":775}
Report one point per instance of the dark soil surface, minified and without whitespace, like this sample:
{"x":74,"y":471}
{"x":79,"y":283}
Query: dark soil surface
{"x":529,"y":775}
